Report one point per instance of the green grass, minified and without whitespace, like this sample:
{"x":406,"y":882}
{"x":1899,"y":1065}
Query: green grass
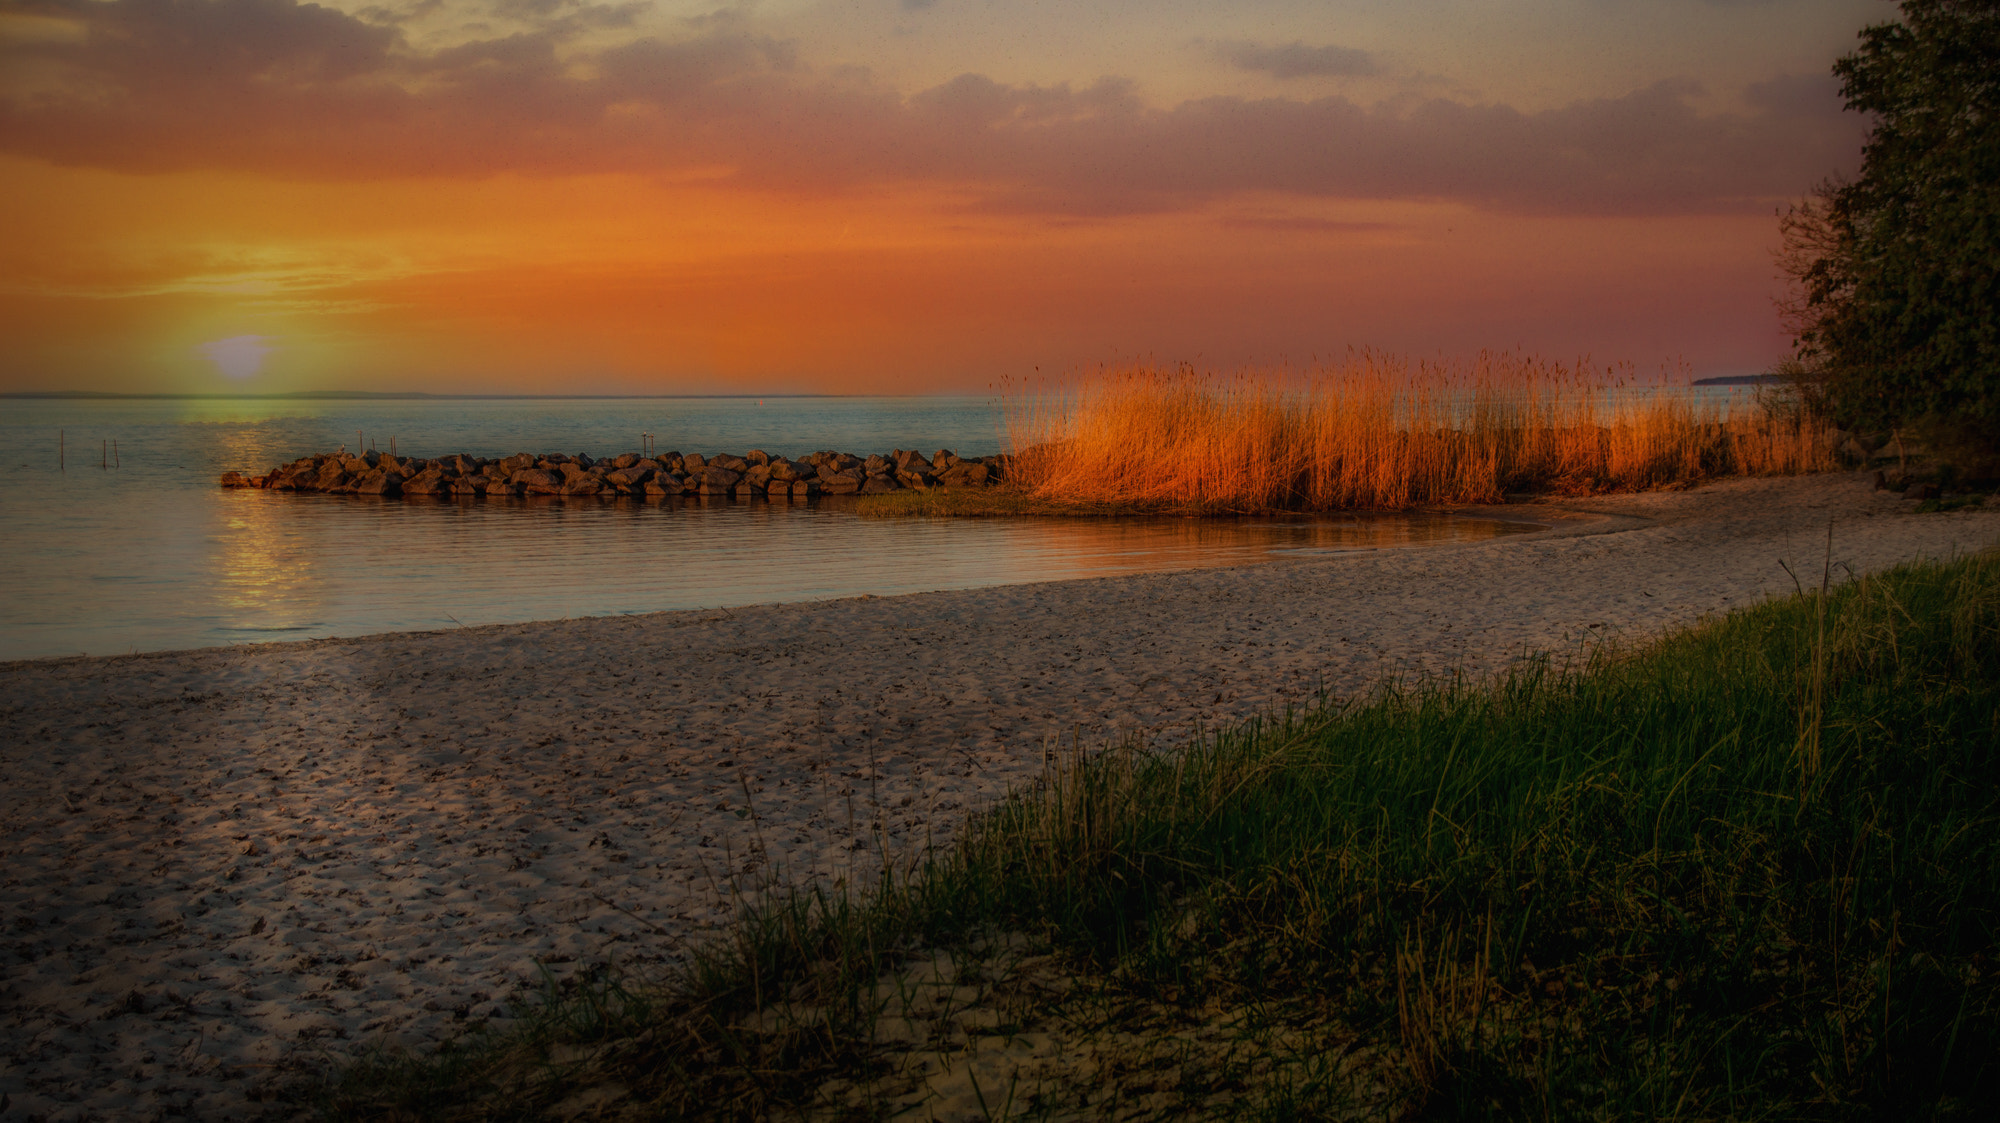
{"x":1749,"y":871}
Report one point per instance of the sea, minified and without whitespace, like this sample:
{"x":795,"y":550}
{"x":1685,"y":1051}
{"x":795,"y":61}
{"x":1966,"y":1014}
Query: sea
{"x":115,"y":538}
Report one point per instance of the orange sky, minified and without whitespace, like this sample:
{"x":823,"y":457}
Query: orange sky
{"x":549,"y":197}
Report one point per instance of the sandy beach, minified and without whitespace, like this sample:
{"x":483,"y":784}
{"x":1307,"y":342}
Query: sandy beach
{"x":225,"y":866}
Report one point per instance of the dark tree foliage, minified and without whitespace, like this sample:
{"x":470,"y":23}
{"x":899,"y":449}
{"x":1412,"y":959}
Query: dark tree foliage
{"x":1897,"y":305}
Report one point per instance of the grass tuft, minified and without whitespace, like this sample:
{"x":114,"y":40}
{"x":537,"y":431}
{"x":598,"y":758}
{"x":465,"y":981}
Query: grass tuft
{"x":1751,"y":870}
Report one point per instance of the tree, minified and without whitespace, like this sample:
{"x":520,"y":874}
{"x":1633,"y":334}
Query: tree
{"x":1896,"y":304}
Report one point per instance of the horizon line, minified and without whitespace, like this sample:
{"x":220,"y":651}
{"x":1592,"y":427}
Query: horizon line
{"x":382,"y":395}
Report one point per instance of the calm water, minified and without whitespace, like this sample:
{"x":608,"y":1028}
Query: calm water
{"x":152,"y":555}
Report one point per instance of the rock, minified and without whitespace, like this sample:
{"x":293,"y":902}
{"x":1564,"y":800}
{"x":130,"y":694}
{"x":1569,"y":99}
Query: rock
{"x":841,"y":483}
{"x":918,"y":480}
{"x":628,"y":477}
{"x":733,"y":463}
{"x":234,"y":479}
{"x":380,"y":482}
{"x":880,"y":485}
{"x":656,"y":490}
{"x":878,"y":465}
{"x":787,"y":471}
{"x":746,"y":489}
{"x":802,"y":489}
{"x":943,"y":458}
{"x":719,"y":477}
{"x":469,"y":485}
{"x":430,"y":481}
{"x":623,"y":461}
{"x":964,"y":473}
{"x":329,"y":477}
{"x":538,"y":481}
{"x":1921,"y":491}
{"x":694,"y":463}
{"x":911,"y":461}
{"x":757,"y":456}
{"x":583,"y":483}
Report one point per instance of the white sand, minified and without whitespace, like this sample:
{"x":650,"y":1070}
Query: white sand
{"x":221,"y":863}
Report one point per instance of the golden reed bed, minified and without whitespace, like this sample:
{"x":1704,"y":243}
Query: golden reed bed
{"x":1381,"y":432}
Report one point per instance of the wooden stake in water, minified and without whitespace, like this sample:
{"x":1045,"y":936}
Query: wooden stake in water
{"x":114,"y":455}
{"x":103,"y":453}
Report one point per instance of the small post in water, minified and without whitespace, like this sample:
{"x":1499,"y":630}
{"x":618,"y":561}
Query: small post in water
{"x":103,"y":453}
{"x":114,"y":455}
{"x":62,"y":453}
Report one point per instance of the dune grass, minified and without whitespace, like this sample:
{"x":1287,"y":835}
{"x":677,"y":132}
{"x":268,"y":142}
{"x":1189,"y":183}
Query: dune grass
{"x":1749,"y":871}
{"x":1379,"y":432}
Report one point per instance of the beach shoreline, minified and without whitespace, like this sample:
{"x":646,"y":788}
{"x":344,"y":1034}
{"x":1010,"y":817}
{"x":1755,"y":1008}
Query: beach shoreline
{"x":228,"y":865}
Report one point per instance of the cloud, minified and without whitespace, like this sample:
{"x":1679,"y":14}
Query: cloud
{"x":1296,"y":60}
{"x":289,"y":89}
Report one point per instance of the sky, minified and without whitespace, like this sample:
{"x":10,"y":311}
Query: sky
{"x":893,"y":196}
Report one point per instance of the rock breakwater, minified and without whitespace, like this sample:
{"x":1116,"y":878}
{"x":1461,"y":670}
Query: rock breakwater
{"x":754,"y":474}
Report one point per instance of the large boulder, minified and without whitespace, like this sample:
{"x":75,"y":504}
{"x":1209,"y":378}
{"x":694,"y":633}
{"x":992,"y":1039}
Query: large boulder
{"x":733,"y":463}
{"x":878,"y":465}
{"x":234,"y":479}
{"x":715,"y":476}
{"x":880,"y":485}
{"x":380,"y":482}
{"x":629,"y":477}
{"x":693,"y":463}
{"x":624,"y":460}
{"x":964,"y":473}
{"x":802,"y":489}
{"x":430,"y":481}
{"x":757,"y":456}
{"x":911,"y":460}
{"x":330,"y":476}
{"x":469,"y":485}
{"x":842,"y":483}
{"x":537,"y":481}
{"x":786,"y":471}
{"x":582,"y":483}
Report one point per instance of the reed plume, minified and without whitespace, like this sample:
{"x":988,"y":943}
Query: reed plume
{"x":1375,"y":431}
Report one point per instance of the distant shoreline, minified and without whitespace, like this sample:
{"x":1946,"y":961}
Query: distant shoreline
{"x":1738,"y":380}
{"x":390,"y":396}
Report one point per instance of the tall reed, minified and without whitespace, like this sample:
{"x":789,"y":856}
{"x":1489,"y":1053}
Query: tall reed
{"x":1376,"y":431}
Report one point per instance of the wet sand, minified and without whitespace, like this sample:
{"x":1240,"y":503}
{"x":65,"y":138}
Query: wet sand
{"x":221,"y":866}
